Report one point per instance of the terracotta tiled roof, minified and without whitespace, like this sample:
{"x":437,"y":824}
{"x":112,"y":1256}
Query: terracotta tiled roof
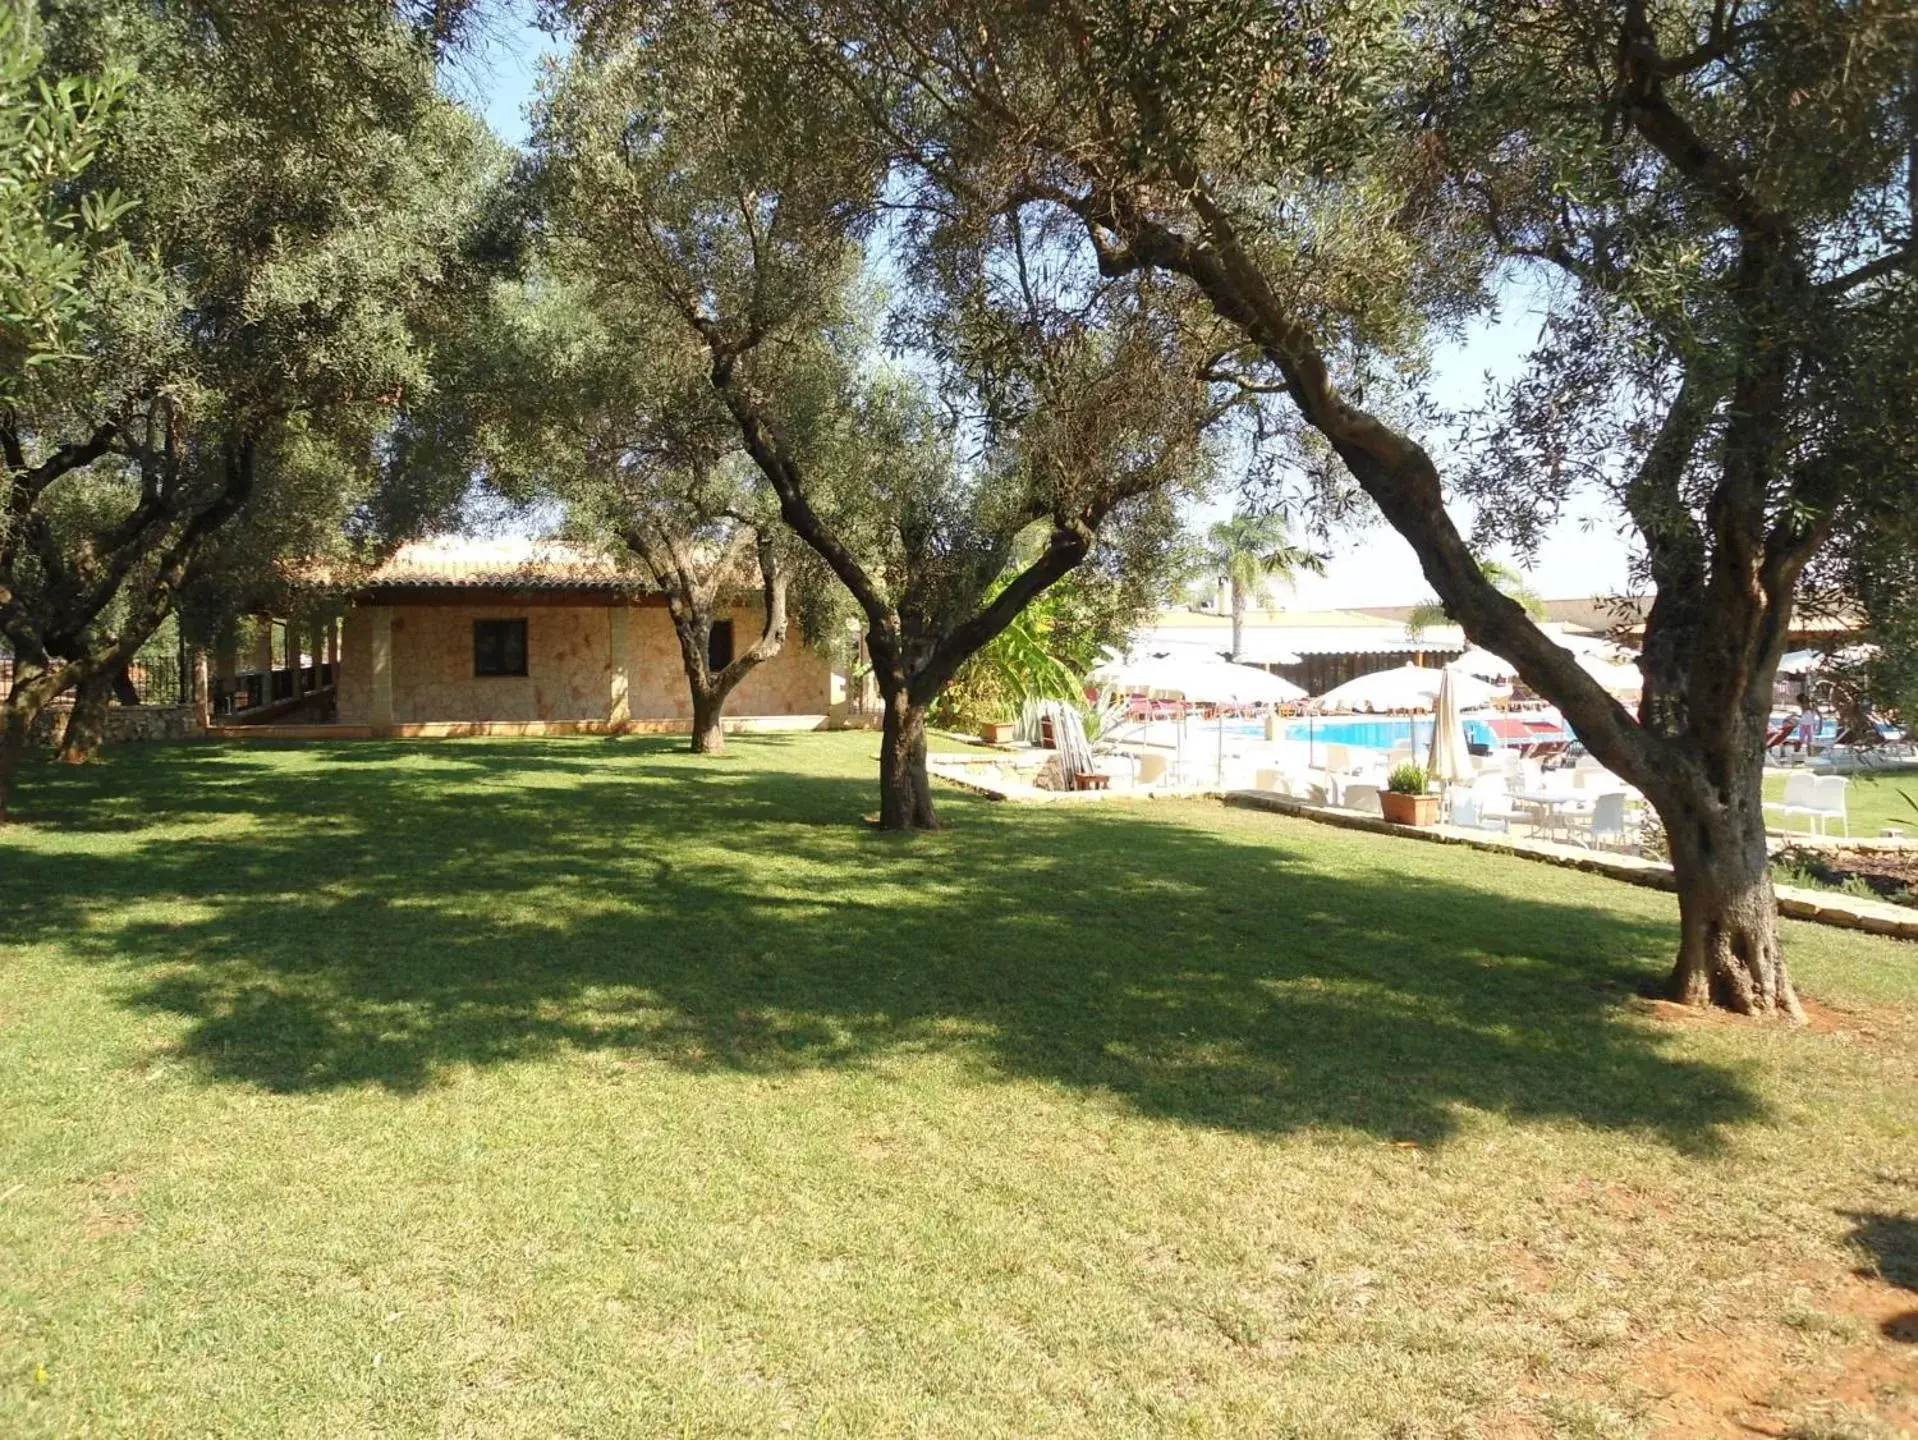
{"x":455,"y":563}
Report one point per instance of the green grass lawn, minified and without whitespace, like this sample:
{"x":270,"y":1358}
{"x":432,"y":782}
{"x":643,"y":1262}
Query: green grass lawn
{"x":590,"y":1088}
{"x":1872,"y":802}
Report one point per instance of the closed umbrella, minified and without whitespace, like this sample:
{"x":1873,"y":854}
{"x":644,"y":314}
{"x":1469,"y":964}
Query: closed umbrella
{"x":1450,"y":760}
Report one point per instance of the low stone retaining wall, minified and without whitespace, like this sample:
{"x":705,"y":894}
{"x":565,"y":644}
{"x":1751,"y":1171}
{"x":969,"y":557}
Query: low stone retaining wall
{"x":1822,"y":907}
{"x":126,"y":724}
{"x":469,"y":729}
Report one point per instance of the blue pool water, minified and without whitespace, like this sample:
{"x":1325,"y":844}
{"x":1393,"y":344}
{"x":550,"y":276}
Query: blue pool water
{"x":1369,"y":733}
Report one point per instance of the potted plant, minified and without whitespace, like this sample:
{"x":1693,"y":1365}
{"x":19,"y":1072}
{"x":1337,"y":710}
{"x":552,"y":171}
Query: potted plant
{"x":998,"y":732}
{"x":1405,"y":800}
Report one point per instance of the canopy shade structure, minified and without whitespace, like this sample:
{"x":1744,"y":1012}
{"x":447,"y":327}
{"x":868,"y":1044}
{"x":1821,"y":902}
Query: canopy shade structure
{"x":1205,"y":682}
{"x":1615,"y":669}
{"x":1410,"y":687}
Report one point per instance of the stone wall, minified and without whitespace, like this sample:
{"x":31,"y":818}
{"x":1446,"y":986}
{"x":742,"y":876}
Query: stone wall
{"x":796,"y":681}
{"x":570,"y":671}
{"x":126,"y":723}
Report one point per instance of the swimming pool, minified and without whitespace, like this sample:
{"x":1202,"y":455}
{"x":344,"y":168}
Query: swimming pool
{"x":1388,"y":732}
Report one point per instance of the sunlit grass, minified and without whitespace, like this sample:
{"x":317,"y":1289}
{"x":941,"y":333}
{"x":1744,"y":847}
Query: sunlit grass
{"x":592,"y":1088}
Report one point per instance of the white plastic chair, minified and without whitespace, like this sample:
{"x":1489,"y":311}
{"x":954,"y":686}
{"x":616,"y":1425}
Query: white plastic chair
{"x":1493,"y":804}
{"x":1463,"y":807}
{"x":1607,"y":820}
{"x":1363,"y":798}
{"x":1828,"y":801}
{"x":1800,"y":796}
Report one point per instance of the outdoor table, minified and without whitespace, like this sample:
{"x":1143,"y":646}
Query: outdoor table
{"x":1552,"y":807}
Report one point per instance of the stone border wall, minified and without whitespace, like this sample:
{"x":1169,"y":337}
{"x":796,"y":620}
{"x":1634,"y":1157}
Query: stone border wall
{"x":126,"y":724}
{"x":1823,"y":907}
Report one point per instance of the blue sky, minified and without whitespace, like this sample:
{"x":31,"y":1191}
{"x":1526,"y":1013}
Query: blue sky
{"x":1585,"y":554}
{"x":498,"y":80}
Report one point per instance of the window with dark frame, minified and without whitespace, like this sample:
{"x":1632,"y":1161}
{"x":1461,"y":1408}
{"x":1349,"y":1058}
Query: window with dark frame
{"x":719,"y":646}
{"x":499,"y":647}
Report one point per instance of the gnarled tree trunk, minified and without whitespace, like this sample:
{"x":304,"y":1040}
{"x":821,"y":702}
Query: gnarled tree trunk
{"x":1730,"y":953}
{"x":691,"y":589}
{"x":905,"y":790}
{"x":86,"y":727}
{"x":709,"y":729}
{"x":33,"y":689}
{"x":13,"y":747}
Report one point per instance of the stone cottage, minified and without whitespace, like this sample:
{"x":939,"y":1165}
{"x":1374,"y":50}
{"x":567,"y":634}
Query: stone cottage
{"x":523,"y":637}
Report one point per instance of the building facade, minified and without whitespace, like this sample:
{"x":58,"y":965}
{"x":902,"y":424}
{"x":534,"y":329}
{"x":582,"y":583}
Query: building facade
{"x":515,"y":638}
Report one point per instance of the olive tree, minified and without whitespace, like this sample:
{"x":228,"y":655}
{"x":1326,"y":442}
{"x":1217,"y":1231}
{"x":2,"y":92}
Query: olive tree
{"x":591,"y":413}
{"x":695,"y":162}
{"x":1716,"y":198}
{"x":291,"y":212}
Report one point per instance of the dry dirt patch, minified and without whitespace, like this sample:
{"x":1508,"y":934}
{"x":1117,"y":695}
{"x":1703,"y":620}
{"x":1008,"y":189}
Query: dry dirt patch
{"x":1846,"y":1368}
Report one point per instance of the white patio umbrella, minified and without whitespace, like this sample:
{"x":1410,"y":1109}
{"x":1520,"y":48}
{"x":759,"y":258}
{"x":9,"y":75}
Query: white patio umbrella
{"x":1449,"y":760}
{"x":1410,"y":687}
{"x":1482,"y":664}
{"x":1619,"y":677}
{"x":1205,"y":681}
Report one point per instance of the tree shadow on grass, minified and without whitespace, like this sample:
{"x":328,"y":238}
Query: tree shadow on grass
{"x":387,"y":913}
{"x":1891,"y":1242}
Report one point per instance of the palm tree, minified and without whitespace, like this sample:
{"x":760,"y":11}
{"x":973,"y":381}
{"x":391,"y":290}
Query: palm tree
{"x":1509,"y":582}
{"x":1249,"y":551}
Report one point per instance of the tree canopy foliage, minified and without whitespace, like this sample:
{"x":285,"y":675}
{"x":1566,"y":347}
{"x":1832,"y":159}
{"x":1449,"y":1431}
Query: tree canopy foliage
{"x":286,"y":209}
{"x":1023,"y":397}
{"x":627,"y":436}
{"x":53,"y":265}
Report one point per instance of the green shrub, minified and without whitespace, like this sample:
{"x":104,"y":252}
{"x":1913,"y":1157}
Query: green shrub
{"x":1408,"y":779}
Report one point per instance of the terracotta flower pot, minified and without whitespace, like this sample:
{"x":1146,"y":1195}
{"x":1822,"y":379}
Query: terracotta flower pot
{"x":997,"y":732}
{"x":1409,"y":809}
